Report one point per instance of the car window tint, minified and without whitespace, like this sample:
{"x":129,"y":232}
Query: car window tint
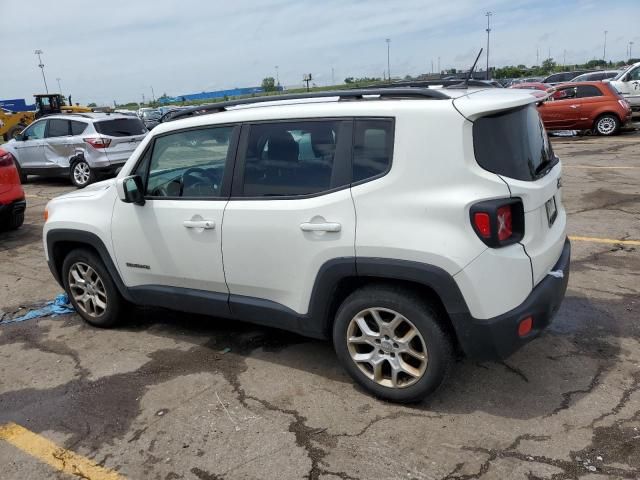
{"x":585,"y":91}
{"x":291,"y":158}
{"x":35,"y":131}
{"x":58,"y":128}
{"x":120,"y":127}
{"x":189,"y":164}
{"x":372,"y":148}
{"x":77,"y":127}
{"x":635,"y":74}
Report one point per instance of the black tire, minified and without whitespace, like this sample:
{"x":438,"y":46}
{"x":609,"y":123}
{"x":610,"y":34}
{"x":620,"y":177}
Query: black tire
{"x":607,"y":125}
{"x":439,"y":348}
{"x":109,"y":316}
{"x":15,"y":220}
{"x":81,"y":173}
{"x":13,"y":131}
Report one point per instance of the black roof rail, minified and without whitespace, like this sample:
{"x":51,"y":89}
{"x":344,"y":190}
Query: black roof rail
{"x":436,"y":83}
{"x":359,"y":94}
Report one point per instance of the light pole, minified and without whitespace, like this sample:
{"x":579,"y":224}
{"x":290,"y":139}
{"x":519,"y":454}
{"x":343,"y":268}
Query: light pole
{"x":333,"y":79}
{"x":388,"y":40}
{"x":604,"y":48}
{"x":59,"y":87}
{"x":488,"y":15}
{"x":630,"y":47}
{"x":277,"y":76}
{"x":153,"y":95}
{"x":41,"y":65}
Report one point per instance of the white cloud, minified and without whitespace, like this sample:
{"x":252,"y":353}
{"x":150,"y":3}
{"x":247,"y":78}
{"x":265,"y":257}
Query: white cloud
{"x":118,"y":49}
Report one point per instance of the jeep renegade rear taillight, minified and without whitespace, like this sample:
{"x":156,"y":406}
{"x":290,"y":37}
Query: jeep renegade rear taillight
{"x":98,"y":142}
{"x":498,"y":222}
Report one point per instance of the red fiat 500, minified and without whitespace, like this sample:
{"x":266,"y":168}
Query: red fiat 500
{"x":593,"y":106}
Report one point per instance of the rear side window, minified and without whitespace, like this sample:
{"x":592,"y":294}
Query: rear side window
{"x":586,"y":91}
{"x":372,"y":148}
{"x":295,"y":158}
{"x":77,"y":127}
{"x":513,"y":144}
{"x":58,"y":128}
{"x":120,"y":127}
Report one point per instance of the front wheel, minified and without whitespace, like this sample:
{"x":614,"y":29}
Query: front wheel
{"x":81,"y":174}
{"x":391,"y":342}
{"x":607,"y":125}
{"x":91,"y":289}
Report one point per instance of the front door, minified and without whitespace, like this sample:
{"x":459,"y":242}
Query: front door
{"x":30,"y":150}
{"x":57,"y":148}
{"x":174,"y":239}
{"x":290,"y":211}
{"x":562,"y":110}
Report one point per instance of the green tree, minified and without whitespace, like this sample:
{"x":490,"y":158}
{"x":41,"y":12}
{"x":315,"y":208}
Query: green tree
{"x":595,"y":63}
{"x":92,"y":105}
{"x":348,"y":80}
{"x":548,"y":64}
{"x":269,"y":84}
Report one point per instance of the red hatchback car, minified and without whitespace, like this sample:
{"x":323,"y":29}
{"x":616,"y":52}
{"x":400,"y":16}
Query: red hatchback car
{"x":593,"y":106}
{"x":12,"y":202}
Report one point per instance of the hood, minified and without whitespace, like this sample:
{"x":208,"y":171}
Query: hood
{"x":492,"y":100}
{"x":91,"y":190}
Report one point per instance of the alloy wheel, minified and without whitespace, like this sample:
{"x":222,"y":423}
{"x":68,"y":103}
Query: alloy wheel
{"x":387,"y":347}
{"x":87,"y":289}
{"x":606,"y":125}
{"x":81,"y":173}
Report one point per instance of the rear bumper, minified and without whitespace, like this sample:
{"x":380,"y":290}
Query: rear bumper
{"x":497,"y":337}
{"x":14,"y":208}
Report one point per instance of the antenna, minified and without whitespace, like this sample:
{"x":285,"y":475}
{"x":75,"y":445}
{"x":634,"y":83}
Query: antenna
{"x":465,"y":83}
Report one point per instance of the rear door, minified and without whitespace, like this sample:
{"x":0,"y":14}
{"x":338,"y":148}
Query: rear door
{"x":57,"y":147}
{"x":125,"y":133}
{"x":290,"y":211}
{"x":516,"y":145}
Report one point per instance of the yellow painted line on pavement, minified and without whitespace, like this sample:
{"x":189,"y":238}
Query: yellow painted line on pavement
{"x":604,"y":240}
{"x":59,"y":458}
{"x":607,"y":167}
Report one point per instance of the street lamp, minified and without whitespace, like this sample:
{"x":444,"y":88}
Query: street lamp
{"x":630,"y":47}
{"x":604,"y":48}
{"x":488,"y":15}
{"x":59,"y":87}
{"x":277,"y":76}
{"x":41,"y":65}
{"x":388,"y":40}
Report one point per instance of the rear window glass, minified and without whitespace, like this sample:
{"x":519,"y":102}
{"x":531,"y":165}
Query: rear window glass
{"x":586,"y":91}
{"x":77,"y":127}
{"x":120,"y":127}
{"x":372,"y":148}
{"x":513,"y":144}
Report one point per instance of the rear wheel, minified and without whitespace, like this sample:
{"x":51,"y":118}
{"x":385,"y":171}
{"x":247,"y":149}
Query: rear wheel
{"x":81,"y":173}
{"x":91,"y":289}
{"x":607,"y":124}
{"x":14,"y":131}
{"x":391,"y":342}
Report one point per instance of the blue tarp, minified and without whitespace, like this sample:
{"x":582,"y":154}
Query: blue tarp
{"x":17,"y":105}
{"x":233,"y":92}
{"x":59,"y":306}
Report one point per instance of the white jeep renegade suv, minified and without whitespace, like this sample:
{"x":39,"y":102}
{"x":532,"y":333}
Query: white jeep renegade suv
{"x":402,"y":223}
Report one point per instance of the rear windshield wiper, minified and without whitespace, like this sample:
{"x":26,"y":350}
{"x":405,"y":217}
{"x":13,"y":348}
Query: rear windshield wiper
{"x":543,"y":166}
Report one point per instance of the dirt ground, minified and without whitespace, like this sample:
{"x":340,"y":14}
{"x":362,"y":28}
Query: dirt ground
{"x":175,"y":396}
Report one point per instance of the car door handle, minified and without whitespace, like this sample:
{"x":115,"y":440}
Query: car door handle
{"x":206,"y":224}
{"x":320,"y":227}
{"x":574,"y":106}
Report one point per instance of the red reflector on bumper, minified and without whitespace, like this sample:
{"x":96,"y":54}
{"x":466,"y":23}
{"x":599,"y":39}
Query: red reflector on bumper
{"x":525,"y":326}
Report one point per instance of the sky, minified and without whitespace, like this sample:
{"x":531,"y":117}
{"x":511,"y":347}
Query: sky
{"x":121,"y":50}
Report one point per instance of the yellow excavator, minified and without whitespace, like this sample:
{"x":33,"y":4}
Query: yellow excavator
{"x":12,"y":123}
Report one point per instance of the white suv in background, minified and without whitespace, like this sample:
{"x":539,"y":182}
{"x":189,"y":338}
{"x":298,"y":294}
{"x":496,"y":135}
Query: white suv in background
{"x":81,"y":145}
{"x":401,"y":223}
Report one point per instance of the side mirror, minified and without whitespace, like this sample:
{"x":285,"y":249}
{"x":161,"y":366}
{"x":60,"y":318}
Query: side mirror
{"x":19,"y":137}
{"x":131,"y":190}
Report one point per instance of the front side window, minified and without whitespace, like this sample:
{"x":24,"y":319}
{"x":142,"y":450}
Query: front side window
{"x":35,"y":131}
{"x":58,"y":128}
{"x":586,"y":91}
{"x":565,"y":93}
{"x":294,"y":158}
{"x":634,"y":74}
{"x":188,"y":164}
{"x":372,"y":148}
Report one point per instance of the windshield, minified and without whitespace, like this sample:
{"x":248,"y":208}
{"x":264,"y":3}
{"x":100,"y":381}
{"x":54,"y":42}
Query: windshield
{"x":513,"y":144}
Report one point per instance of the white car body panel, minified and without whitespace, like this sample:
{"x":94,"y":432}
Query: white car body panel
{"x":629,"y":89}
